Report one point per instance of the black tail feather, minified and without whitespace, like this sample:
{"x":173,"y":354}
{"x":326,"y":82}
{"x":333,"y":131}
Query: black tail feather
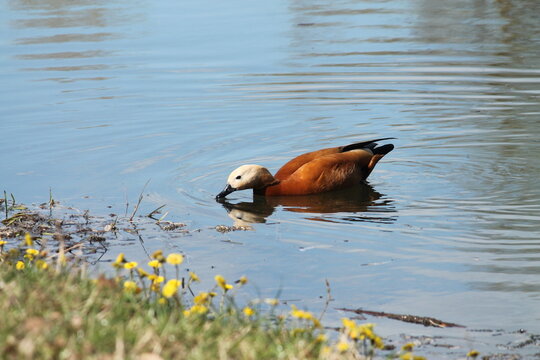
{"x":383,"y":150}
{"x":370,"y":144}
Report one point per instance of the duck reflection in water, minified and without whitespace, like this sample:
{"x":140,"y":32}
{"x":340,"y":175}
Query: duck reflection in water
{"x":356,"y":204}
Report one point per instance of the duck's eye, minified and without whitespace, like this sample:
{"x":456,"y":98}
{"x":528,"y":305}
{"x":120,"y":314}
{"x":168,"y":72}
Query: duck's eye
{"x":238,"y":177}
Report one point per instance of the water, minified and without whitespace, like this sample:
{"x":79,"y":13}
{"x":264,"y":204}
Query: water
{"x":98,"y":97}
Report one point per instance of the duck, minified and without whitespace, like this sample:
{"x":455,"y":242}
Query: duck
{"x":315,"y":172}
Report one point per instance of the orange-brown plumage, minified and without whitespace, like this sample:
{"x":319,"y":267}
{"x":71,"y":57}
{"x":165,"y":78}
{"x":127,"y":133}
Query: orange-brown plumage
{"x":311,"y":173}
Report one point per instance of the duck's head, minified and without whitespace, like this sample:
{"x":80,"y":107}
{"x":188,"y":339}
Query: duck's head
{"x":247,"y":177}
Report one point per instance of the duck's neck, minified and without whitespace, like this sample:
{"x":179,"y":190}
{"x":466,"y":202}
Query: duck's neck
{"x":262,"y":191}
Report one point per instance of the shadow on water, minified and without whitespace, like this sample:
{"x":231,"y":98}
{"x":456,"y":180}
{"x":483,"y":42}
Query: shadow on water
{"x":358,"y":204}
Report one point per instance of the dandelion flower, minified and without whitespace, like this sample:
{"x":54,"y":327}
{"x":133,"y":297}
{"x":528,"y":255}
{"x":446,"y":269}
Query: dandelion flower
{"x":42,"y":265}
{"x":410,"y":356}
{"x":220,"y":280}
{"x":175,"y":259}
{"x":120,"y":259}
{"x":142,"y":272}
{"x":162,"y":301}
{"x":342,"y":346}
{"x":348,"y":323}
{"x":32,"y":252}
{"x":248,"y":311}
{"x":196,"y":309}
{"x":202,"y":298}
{"x":377,"y":341}
{"x":158,"y":255}
{"x":130,"y":265}
{"x":242,"y":281}
{"x":130,"y":286}
{"x":321,"y":338}
{"x":193,"y":276}
{"x":305,"y":315}
{"x":154,"y":263}
{"x":473,"y":354}
{"x":20,"y":265}
{"x":408,"y":347}
{"x":170,"y":288}
{"x":2,"y":242}
{"x":28,"y":239}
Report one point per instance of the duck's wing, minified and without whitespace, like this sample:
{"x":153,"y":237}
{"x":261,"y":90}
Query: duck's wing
{"x":289,"y":168}
{"x":326,"y":173}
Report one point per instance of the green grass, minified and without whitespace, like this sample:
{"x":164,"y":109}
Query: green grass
{"x":64,"y":315}
{"x":53,"y":310}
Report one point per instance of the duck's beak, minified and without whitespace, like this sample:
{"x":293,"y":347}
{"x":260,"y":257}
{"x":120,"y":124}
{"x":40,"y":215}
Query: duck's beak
{"x":228,"y":189}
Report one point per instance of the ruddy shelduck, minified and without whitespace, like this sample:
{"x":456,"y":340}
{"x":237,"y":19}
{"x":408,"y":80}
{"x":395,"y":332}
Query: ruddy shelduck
{"x":311,"y":173}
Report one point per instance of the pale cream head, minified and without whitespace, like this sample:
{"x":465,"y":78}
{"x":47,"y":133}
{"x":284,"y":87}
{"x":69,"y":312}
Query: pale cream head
{"x":247,"y":177}
{"x":250,"y":177}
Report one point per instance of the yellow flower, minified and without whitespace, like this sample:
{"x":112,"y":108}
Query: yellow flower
{"x":321,"y":338}
{"x":305,"y":315}
{"x":220,"y":280}
{"x":473,"y":354}
{"x":410,"y":356}
{"x":42,"y":265}
{"x":120,"y":259}
{"x":196,"y":309}
{"x":32,"y":252}
{"x":348,"y":324}
{"x":130,"y":286}
{"x":158,"y":255}
{"x":243,"y":280}
{"x":28,"y":239}
{"x":248,"y":311}
{"x":193,"y":276}
{"x":158,"y":279}
{"x":408,"y":347}
{"x":175,"y":259}
{"x":3,"y":242}
{"x":29,"y":257}
{"x":142,"y":272}
{"x":162,"y":301}
{"x":377,"y":341}
{"x":20,"y":265}
{"x":155,"y":287}
{"x":170,"y":288}
{"x":342,"y":346}
{"x":154,"y":263}
{"x":202,"y":298}
{"x":130,"y":265}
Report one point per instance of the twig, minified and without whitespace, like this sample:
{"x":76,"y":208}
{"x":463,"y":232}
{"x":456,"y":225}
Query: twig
{"x":51,"y":201}
{"x":138,"y":202}
{"x":423,"y":320}
{"x":163,"y":217}
{"x":6,"y":203}
{"x":156,"y":211}
{"x":328,"y":299}
{"x":127,"y":205}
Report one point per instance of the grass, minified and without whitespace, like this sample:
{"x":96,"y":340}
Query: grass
{"x":53,"y":310}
